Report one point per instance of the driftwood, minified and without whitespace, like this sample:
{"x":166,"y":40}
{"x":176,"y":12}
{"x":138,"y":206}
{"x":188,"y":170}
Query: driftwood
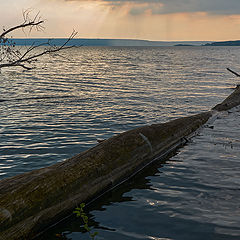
{"x":32,"y":201}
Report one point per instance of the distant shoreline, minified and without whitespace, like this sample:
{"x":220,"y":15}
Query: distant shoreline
{"x":224,"y":43}
{"x":119,"y":42}
{"x":106,"y":42}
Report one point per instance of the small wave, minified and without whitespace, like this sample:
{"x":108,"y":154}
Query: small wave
{"x":35,"y":98}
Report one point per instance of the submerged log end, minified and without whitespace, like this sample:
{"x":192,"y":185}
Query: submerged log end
{"x":231,"y":101}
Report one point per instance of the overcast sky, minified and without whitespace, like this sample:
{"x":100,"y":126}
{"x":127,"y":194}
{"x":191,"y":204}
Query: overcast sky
{"x":136,"y":19}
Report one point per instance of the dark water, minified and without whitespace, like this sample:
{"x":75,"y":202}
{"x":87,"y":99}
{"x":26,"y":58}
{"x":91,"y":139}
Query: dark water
{"x":65,"y":105}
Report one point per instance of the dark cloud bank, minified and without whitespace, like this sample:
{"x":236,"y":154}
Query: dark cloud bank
{"x":220,"y":7}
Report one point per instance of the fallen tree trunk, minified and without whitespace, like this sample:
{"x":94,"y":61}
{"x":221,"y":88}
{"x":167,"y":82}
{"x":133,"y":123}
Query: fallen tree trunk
{"x":32,"y":201}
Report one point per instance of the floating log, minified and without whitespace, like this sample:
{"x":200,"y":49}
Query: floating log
{"x":32,"y":201}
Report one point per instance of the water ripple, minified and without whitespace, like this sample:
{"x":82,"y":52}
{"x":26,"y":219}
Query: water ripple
{"x":63,"y":107}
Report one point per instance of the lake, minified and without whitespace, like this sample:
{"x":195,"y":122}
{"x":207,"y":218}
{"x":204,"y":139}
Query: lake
{"x":67,"y":103}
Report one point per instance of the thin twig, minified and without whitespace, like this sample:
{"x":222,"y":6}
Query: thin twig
{"x":20,"y":26}
{"x":238,"y":75}
{"x":25,"y":58}
{"x":11,"y":57}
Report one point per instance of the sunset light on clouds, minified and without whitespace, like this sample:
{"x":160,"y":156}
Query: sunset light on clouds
{"x":132,"y":19}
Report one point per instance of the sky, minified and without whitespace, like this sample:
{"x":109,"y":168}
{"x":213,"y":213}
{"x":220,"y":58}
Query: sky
{"x":160,"y":20}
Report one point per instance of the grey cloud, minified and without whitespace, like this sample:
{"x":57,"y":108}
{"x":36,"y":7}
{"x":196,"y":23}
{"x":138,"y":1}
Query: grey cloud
{"x":210,"y":6}
{"x":224,"y":7}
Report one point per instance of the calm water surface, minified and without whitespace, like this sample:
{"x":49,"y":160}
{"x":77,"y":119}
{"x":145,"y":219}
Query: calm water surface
{"x":62,"y":107}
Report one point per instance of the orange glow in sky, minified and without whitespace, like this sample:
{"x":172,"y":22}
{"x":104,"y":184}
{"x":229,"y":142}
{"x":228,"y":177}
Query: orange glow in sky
{"x":139,"y":19}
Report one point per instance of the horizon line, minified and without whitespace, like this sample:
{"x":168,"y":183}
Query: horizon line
{"x":129,"y":39}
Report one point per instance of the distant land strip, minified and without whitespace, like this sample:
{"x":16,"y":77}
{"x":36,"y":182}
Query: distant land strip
{"x":105,"y":42}
{"x":224,"y":43}
{"x":118,"y":42}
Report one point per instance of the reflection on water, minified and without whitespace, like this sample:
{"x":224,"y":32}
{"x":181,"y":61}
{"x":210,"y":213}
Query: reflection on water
{"x":63,"y":107}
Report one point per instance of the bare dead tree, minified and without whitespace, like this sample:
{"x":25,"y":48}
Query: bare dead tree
{"x":12,"y":56}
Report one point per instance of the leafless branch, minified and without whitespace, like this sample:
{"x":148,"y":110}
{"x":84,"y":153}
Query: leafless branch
{"x":12,"y":57}
{"x":28,"y":22}
{"x":238,"y":75}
